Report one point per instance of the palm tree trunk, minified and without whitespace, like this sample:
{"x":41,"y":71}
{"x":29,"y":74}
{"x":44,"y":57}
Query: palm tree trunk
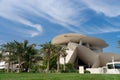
{"x":58,"y":64}
{"x":48,"y":63}
{"x":12,"y":67}
{"x":19,"y":62}
{"x":29,"y":64}
{"x":64,"y":63}
{"x":8,"y":67}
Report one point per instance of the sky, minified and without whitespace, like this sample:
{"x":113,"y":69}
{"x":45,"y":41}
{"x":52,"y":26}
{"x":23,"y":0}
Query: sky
{"x":41,"y":20}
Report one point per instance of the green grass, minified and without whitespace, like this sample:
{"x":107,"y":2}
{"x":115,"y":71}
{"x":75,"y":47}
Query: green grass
{"x":57,"y":76}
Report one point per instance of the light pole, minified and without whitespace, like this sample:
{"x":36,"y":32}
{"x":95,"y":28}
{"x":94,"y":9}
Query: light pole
{"x":113,"y":62}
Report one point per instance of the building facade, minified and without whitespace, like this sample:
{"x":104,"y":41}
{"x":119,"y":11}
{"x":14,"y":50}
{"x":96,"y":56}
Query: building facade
{"x":84,"y":50}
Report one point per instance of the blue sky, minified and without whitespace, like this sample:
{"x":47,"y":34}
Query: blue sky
{"x":40,"y":20}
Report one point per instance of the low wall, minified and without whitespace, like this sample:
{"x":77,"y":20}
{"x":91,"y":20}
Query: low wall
{"x":95,"y":70}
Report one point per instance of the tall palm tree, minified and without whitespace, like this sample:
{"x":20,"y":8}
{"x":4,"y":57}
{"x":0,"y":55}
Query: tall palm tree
{"x":0,"y":56}
{"x":31,"y":51}
{"x":58,"y":52}
{"x":8,"y":48}
{"x":48,"y":49}
{"x":24,"y":53}
{"x":64,"y":54}
{"x":18,"y":53}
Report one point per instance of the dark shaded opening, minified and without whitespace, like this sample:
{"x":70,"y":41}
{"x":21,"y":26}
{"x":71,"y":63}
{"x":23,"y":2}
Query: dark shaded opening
{"x":79,"y":62}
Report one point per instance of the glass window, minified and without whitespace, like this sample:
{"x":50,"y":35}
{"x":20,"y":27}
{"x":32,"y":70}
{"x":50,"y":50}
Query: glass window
{"x":110,"y":66}
{"x":117,"y":66}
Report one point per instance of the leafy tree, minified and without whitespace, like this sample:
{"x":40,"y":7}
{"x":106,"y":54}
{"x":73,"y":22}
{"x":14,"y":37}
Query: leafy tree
{"x":58,"y":52}
{"x":24,"y":53}
{"x":29,"y":56}
{"x":8,"y":48}
{"x":19,"y":53}
{"x":47,"y":49}
{"x":64,"y":54}
{"x":0,"y":56}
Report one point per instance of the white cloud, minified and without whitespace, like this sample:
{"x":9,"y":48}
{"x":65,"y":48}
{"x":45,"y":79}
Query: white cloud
{"x":62,"y":11}
{"x":69,"y":14}
{"x":28,"y":23}
{"x":108,"y":7}
{"x":33,"y":34}
{"x":10,"y":12}
{"x":98,"y":30}
{"x":28,"y":33}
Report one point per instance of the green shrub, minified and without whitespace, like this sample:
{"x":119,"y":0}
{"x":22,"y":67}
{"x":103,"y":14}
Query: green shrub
{"x":35,"y":68}
{"x":69,"y":69}
{"x":86,"y":71}
{"x":53,"y":62}
{"x":2,"y":70}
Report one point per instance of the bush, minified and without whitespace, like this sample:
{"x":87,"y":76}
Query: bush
{"x":35,"y":68}
{"x":86,"y":71}
{"x":69,"y":69}
{"x":2,"y":70}
{"x":53,"y":64}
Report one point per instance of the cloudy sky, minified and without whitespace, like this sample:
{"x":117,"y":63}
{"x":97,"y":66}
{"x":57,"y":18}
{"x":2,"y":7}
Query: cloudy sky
{"x":40,"y":20}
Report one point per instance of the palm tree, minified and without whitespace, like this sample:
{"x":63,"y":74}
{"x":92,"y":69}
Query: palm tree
{"x":0,"y":56}
{"x":58,"y":52}
{"x":31,"y":51}
{"x":48,"y":49}
{"x":18,"y":52}
{"x":8,"y":48}
{"x":64,"y":54}
{"x":24,"y":53}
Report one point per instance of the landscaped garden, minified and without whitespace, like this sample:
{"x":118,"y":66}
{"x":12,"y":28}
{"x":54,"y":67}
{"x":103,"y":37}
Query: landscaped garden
{"x":24,"y":57}
{"x":33,"y":66}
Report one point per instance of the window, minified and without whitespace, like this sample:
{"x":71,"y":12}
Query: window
{"x":117,"y":66}
{"x":110,"y":66}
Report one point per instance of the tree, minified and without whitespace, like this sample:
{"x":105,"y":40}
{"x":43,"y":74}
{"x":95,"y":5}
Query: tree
{"x":20,"y":52}
{"x":8,"y":48}
{"x":47,"y":49}
{"x":24,"y":53}
{"x":64,"y":54}
{"x":58,"y":52}
{"x":0,"y":56}
{"x":29,"y":56}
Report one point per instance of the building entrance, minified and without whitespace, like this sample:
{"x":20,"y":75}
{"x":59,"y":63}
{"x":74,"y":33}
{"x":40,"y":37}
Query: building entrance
{"x":79,"y":62}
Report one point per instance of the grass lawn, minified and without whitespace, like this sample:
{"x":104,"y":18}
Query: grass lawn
{"x":57,"y":76}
